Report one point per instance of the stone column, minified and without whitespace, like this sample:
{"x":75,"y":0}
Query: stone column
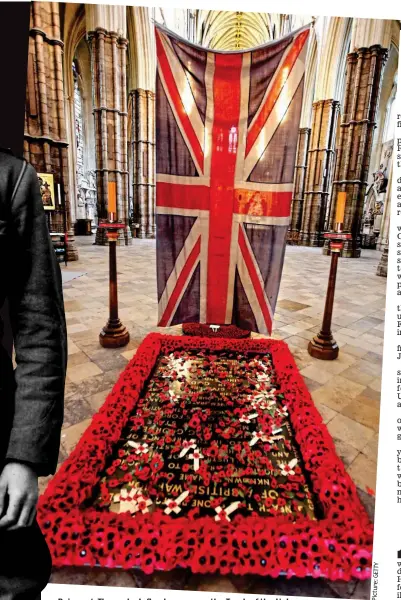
{"x":299,"y":185}
{"x":383,"y":241}
{"x":108,"y":51}
{"x":382,"y":266}
{"x":45,"y":137}
{"x":319,"y":170}
{"x":362,"y":89}
{"x":143,"y":154}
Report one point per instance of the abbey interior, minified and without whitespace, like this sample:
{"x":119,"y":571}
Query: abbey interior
{"x":90,"y":119}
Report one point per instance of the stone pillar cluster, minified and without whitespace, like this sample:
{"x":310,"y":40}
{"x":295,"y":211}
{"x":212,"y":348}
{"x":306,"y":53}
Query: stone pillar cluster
{"x":362,"y":89}
{"x":109,"y":55}
{"x":299,"y":185}
{"x":143,"y":160}
{"x":45,"y":138}
{"x":320,"y":161}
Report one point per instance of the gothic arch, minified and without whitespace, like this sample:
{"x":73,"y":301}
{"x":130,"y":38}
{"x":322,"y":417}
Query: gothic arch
{"x":328,"y":48}
{"x":83,"y":116}
{"x":78,"y":92}
{"x":389,"y":73}
{"x":141,"y":48}
{"x":342,"y":63}
{"x":334,"y":37}
{"x":176,"y":19}
{"x":310,"y":80}
{"x":82,"y":59}
{"x":141,"y":123}
{"x":74,"y":31}
{"x":383,"y":144}
{"x":389,"y":119}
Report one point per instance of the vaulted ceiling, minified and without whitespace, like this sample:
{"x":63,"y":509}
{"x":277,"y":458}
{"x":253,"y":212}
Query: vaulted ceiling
{"x":230,"y":30}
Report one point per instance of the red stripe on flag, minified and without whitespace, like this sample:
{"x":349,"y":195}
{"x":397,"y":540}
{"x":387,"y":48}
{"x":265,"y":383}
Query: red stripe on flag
{"x":180,"y":285}
{"x":262,"y":204}
{"x":178,"y":104}
{"x":177,"y":195}
{"x":278,"y":84}
{"x":227,"y":100}
{"x":259,"y":291}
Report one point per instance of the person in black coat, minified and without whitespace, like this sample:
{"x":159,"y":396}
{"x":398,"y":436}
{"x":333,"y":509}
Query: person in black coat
{"x":32,"y":321}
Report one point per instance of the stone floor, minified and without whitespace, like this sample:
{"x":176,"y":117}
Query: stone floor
{"x":346,"y":391}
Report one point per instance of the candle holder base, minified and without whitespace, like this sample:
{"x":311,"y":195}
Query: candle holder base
{"x":114,"y":335}
{"x":323,"y":347}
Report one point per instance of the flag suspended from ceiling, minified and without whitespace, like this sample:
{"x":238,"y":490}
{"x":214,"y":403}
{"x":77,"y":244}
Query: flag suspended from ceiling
{"x":226,"y":138}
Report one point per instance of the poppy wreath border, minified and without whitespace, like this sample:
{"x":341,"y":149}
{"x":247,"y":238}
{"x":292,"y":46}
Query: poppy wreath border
{"x":337,"y":547}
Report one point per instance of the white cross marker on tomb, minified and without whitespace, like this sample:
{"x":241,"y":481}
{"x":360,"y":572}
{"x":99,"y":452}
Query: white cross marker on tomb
{"x":247,"y":418}
{"x":186,"y":446}
{"x":258,"y":435}
{"x":224,"y":512}
{"x":143,"y":504}
{"x":139,"y":448}
{"x":262,"y":377}
{"x":174,"y":505}
{"x":173,"y":397}
{"x":288,"y":469}
{"x":283,"y":411}
{"x":128,"y":505}
{"x":127,"y":501}
{"x":275,"y":438}
{"x":196,"y":456}
{"x":262,"y":404}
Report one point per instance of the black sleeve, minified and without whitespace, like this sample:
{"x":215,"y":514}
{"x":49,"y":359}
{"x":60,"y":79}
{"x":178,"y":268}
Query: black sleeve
{"x":39,"y":332}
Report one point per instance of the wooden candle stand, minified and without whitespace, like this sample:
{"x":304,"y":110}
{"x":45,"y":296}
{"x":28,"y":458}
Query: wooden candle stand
{"x":323,"y":345}
{"x":113,"y":334}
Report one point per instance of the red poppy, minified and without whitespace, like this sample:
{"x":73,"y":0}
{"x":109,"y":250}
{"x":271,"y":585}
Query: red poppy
{"x":143,"y":472}
{"x":157,"y":463}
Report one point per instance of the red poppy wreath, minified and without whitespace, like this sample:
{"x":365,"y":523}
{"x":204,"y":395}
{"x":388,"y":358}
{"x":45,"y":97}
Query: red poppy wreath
{"x":208,"y":454}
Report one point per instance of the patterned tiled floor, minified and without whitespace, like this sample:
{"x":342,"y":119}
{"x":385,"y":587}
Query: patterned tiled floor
{"x":346,"y":391}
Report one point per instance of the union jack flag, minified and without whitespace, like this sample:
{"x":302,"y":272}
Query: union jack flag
{"x":226,"y":136}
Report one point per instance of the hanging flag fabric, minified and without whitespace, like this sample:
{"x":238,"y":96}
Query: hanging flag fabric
{"x":226,"y":137}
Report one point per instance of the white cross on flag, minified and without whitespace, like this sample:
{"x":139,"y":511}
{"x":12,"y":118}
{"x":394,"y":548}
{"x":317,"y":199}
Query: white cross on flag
{"x":227,"y":129}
